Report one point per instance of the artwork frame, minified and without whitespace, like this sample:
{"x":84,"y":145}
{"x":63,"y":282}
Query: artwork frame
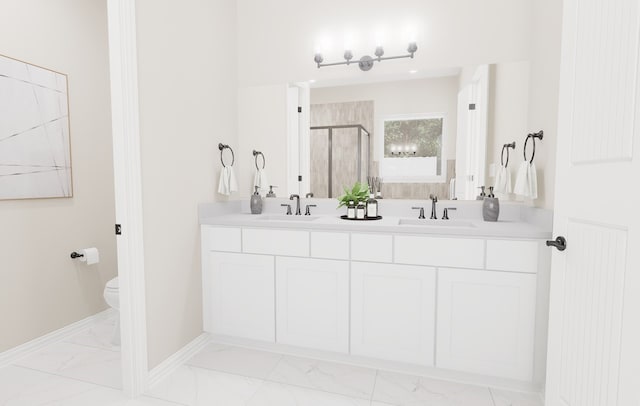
{"x":35,"y":132}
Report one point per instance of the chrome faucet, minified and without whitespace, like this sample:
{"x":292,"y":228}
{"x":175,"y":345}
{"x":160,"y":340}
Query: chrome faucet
{"x":421,"y":215}
{"x":288,"y":206}
{"x":434,"y":200}
{"x":445,"y":213}
{"x":297,"y":197}
{"x":307,"y":212}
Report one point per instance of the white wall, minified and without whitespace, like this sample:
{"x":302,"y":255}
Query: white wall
{"x":431,"y":95}
{"x":187,"y":80}
{"x":277,"y":38}
{"x":41,"y":289}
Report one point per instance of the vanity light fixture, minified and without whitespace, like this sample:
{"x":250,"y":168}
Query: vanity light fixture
{"x":366,"y":62}
{"x":405,"y":150}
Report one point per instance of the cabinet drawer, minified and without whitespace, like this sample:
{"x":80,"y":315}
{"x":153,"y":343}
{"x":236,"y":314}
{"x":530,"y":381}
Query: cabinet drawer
{"x":216,"y":238}
{"x":514,"y":256}
{"x":371,"y":247}
{"x":330,"y":245}
{"x":437,"y":251}
{"x":275,"y":242}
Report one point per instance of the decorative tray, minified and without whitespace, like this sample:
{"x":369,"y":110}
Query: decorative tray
{"x":344,"y":217}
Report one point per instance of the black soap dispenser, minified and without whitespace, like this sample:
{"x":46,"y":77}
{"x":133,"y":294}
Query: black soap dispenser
{"x":256,"y":202}
{"x":491,"y":207}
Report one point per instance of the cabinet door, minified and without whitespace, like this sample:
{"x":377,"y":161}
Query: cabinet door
{"x":312,"y":303}
{"x":393,"y":312}
{"x":242,"y":296}
{"x":486,"y":322}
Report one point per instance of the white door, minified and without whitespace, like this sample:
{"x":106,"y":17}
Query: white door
{"x":594,"y":331}
{"x":243,"y":297}
{"x":393,"y":312}
{"x":486,"y":322}
{"x":312,"y":303}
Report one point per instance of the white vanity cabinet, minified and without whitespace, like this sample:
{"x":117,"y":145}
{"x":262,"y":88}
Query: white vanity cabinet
{"x":393,"y":312}
{"x":241,"y":302}
{"x":312,"y":303}
{"x":474,"y":304}
{"x":486,"y":322}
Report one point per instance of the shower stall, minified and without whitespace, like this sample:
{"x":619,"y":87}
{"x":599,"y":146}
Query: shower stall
{"x":340,"y":156}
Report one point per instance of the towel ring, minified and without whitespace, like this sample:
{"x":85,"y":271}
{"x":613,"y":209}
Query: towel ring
{"x":506,"y":146}
{"x":222,"y":147}
{"x":533,"y":137}
{"x":264,"y":161}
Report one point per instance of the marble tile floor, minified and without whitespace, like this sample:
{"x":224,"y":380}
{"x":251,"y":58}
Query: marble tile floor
{"x":227,"y":375}
{"x":85,"y":370}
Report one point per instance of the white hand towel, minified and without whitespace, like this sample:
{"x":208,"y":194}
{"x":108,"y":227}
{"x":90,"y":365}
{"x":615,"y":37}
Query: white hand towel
{"x":228,"y":183}
{"x":532,"y":177}
{"x":261,"y":181}
{"x":527,"y":181}
{"x":233,"y":182}
{"x":223,"y":183}
{"x":503,"y":181}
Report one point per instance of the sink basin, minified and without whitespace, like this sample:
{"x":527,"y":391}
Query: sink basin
{"x":436,"y":223}
{"x":287,"y":218}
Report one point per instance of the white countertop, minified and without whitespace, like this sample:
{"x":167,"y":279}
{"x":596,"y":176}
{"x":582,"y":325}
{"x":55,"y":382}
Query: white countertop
{"x":388,"y":224}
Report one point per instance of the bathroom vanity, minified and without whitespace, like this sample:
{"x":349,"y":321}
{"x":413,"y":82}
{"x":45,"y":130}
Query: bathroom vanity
{"x":438,"y":295}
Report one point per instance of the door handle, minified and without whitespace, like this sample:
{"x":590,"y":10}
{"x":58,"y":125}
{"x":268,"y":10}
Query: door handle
{"x":560,"y":243}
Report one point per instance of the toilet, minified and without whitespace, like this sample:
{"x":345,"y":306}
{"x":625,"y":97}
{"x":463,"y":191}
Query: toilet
{"x":112,"y":297}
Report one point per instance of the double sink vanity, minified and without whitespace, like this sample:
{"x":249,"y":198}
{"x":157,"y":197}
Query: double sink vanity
{"x":459,"y":298}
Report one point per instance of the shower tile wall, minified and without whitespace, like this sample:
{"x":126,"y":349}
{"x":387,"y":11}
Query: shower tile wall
{"x":345,"y":147}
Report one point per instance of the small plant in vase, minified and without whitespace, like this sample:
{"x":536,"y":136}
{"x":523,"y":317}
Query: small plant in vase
{"x":359,"y":193}
{"x":355,"y":199}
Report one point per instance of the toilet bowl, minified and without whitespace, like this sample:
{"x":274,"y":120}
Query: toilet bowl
{"x":112,"y":297}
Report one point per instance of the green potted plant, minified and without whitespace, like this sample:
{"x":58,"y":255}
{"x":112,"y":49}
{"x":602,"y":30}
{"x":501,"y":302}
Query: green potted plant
{"x":359,"y":193}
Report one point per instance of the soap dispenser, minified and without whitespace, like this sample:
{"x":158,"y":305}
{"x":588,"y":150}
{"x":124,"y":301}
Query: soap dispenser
{"x":256,"y":202}
{"x":491,"y":207}
{"x":271,"y":193}
{"x":482,"y":193}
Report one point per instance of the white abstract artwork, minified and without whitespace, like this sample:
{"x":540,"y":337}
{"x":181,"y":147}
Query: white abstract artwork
{"x":35,"y":156}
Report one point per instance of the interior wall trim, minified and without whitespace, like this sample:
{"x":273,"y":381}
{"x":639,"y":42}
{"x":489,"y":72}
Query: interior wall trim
{"x":14,"y":354}
{"x":128,"y":193}
{"x":171,"y":364}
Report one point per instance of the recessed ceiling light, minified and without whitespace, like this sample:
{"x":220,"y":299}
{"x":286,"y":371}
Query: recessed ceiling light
{"x":312,"y":81}
{"x":413,"y":71}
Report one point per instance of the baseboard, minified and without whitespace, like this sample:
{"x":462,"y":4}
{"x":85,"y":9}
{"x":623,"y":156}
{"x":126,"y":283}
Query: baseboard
{"x":391,"y":366}
{"x":168,"y":366}
{"x":23,"y":350}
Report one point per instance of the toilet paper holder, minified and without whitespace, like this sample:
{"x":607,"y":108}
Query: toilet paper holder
{"x":75,"y":255}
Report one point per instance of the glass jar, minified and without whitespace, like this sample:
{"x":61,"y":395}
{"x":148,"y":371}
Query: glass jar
{"x":351,"y":210}
{"x":372,"y":207}
{"x":361,"y":211}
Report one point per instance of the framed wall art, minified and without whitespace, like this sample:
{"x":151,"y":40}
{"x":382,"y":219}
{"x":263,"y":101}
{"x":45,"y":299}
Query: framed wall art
{"x":35,"y":150}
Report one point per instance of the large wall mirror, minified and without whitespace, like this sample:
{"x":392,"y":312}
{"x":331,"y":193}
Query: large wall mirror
{"x":421,"y":133}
